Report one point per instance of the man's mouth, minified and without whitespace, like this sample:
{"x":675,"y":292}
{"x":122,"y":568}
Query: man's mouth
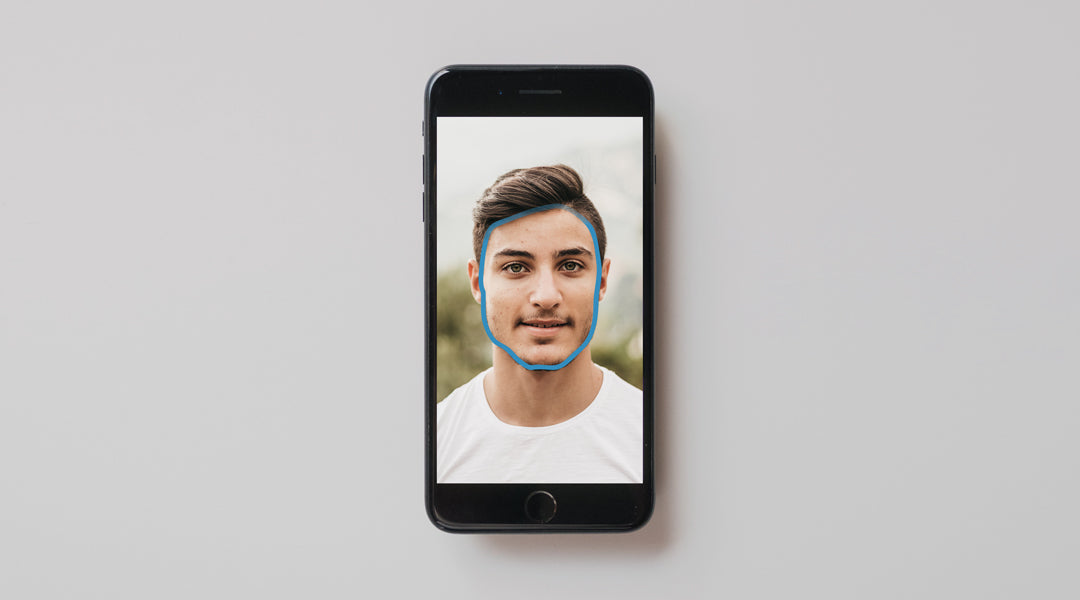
{"x":544,"y":323}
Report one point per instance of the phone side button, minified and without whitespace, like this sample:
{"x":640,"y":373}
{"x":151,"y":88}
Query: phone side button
{"x":540,"y":506}
{"x":423,"y":208}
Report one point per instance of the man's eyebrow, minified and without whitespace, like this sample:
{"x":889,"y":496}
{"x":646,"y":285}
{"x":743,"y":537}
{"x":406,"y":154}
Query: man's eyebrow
{"x":579,"y":251}
{"x":513,"y":253}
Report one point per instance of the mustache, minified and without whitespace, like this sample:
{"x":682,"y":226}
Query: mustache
{"x":546,"y":315}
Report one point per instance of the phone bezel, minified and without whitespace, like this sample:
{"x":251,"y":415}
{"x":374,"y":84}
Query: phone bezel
{"x":584,"y":90}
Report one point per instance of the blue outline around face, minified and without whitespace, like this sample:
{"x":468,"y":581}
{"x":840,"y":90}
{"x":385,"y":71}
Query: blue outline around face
{"x":596,"y":290}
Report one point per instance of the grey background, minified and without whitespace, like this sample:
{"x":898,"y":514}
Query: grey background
{"x":210,"y":300}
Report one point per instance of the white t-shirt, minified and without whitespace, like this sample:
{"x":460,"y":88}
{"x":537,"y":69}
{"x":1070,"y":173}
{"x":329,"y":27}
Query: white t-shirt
{"x":602,"y":444}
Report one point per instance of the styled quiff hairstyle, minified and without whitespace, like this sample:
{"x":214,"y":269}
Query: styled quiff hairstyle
{"x":521,"y":189}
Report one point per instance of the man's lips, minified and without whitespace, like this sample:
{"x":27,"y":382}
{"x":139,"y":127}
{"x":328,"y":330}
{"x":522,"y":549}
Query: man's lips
{"x":543,"y":323}
{"x":544,"y":328}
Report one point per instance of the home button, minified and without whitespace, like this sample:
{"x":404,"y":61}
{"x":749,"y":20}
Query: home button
{"x":540,"y":506}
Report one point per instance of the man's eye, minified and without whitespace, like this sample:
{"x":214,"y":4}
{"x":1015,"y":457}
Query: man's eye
{"x":572,"y":266}
{"x":515,"y":267}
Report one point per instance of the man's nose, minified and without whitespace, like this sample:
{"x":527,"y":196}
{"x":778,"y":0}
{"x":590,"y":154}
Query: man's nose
{"x":546,"y":293}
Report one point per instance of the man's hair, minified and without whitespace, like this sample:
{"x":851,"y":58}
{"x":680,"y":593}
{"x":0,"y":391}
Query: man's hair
{"x":521,"y":189}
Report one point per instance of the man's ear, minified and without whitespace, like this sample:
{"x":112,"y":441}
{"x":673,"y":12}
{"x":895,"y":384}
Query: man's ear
{"x":474,"y":279}
{"x":603,"y":277}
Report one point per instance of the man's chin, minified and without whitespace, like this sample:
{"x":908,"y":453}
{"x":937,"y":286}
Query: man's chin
{"x":542,"y":359}
{"x":546,"y":362}
{"x":543,"y":354}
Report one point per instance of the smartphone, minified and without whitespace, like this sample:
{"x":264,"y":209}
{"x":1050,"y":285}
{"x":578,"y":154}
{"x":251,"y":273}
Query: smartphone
{"x":538,"y":204}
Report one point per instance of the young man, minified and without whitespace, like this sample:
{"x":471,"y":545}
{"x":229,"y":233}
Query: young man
{"x":544,"y":412}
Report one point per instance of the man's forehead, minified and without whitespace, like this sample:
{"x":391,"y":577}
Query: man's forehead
{"x":550,"y":228}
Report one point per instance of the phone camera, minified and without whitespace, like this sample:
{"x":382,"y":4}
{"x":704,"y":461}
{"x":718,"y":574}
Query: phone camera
{"x":500,"y":92}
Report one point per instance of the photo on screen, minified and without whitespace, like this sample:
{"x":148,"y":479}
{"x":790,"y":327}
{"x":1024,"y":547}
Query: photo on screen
{"x":539,"y":299}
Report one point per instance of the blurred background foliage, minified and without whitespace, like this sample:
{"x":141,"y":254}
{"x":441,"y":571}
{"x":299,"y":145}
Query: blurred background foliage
{"x":463,"y":348}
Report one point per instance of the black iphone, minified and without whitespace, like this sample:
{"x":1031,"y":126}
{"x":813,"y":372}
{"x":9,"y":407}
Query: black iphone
{"x":538,"y":203}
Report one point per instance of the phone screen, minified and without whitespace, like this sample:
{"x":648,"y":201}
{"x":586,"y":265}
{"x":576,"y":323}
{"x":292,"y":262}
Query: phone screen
{"x":539,"y":296}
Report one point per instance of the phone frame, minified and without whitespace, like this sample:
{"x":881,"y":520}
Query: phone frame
{"x":584,"y":90}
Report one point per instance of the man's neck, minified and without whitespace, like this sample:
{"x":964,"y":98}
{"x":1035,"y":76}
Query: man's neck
{"x":527,"y":398}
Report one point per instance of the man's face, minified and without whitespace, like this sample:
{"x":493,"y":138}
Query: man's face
{"x":539,"y":279}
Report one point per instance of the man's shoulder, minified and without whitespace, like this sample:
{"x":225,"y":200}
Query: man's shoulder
{"x":468,"y":389}
{"x":618,"y":385}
